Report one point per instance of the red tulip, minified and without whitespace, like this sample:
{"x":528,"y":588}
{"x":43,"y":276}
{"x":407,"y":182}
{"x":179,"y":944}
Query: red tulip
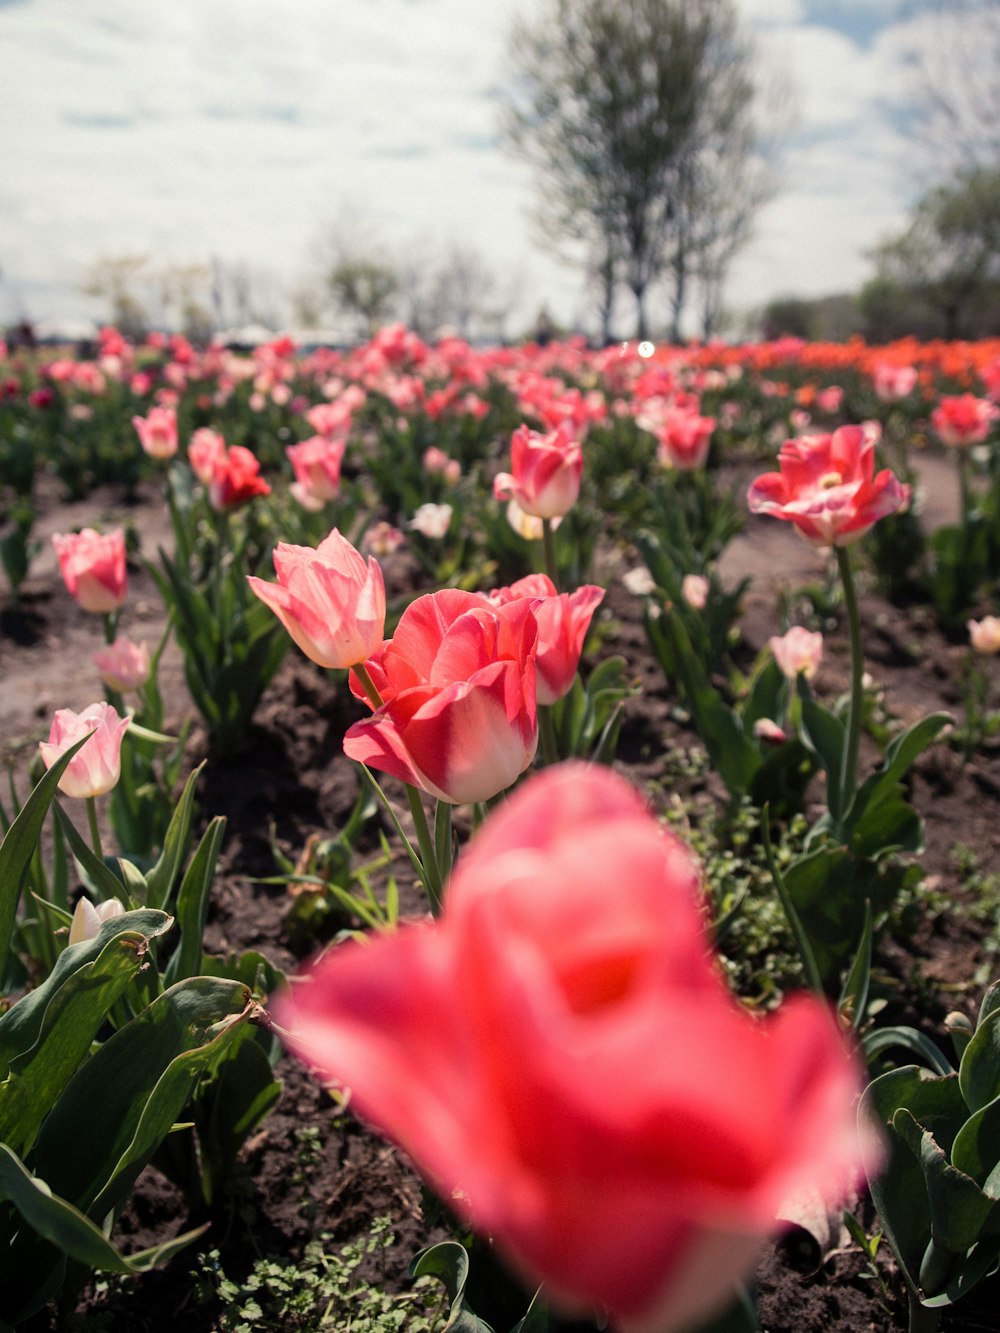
{"x":93,"y":567}
{"x":96,"y":766}
{"x":828,"y":488}
{"x":560,"y":1057}
{"x":563,"y":620}
{"x":963,"y":419}
{"x":457,"y":681}
{"x":546,"y":471}
{"x":331,"y":601}
{"x":235,"y":479}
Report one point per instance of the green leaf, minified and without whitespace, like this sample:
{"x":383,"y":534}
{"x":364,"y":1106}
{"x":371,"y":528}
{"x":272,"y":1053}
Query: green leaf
{"x":69,"y":1230}
{"x":163,"y":875}
{"x":133,"y":1089}
{"x":979,"y":1072}
{"x":19,"y":843}
{"x":71,"y":1021}
{"x":449,"y":1261}
{"x":192,"y":903}
{"x":885,"y":1039}
{"x":900,"y":754}
{"x":976,"y":1149}
{"x":102,"y":880}
{"x":854,"y":995}
{"x":826,"y":736}
{"x":21,"y":1024}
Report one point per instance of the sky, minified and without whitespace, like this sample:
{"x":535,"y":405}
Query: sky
{"x":247,"y":132}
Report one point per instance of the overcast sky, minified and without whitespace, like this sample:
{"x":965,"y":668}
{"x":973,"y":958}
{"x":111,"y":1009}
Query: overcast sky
{"x":243,"y":129}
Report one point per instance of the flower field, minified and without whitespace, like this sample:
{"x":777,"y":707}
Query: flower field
{"x":500,"y":836}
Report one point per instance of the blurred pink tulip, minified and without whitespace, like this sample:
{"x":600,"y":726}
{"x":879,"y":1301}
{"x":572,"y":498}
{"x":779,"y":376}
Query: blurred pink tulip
{"x":545,"y":472}
{"x":457,"y":680}
{"x":963,"y":419}
{"x":93,"y":567}
{"x":798,"y":650}
{"x":123,"y":665}
{"x":984,"y":635}
{"x":206,"y":449}
{"x":157,"y":432}
{"x":96,"y":767}
{"x":330,"y":600}
{"x":561,"y":1058}
{"x":316,"y":464}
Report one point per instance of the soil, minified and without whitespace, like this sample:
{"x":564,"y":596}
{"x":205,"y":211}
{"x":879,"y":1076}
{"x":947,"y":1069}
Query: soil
{"x":291,"y":777}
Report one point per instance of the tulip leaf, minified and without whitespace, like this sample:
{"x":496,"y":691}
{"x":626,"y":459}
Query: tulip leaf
{"x":102,"y":880}
{"x":57,"y":1221}
{"x":21,"y":1024}
{"x":449,"y":1261}
{"x":71,"y":1021}
{"x":900,"y":754}
{"x":976,"y":1149}
{"x":991,"y":1002}
{"x":161,"y":878}
{"x":979,"y":1072}
{"x":192,"y":903}
{"x":132,"y":1090}
{"x":958,"y":1207}
{"x":826,"y":736}
{"x":19,"y":843}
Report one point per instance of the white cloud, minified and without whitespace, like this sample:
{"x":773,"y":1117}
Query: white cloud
{"x":187,"y":128}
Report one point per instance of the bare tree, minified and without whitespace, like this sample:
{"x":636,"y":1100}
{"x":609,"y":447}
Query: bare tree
{"x":615,"y":104}
{"x":954,"y":61}
{"x":124,"y":282}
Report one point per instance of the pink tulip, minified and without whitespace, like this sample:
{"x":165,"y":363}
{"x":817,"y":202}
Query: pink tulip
{"x":695,"y":589}
{"x":330,"y":600}
{"x":892,"y":381}
{"x":798,"y":650}
{"x":963,"y":419}
{"x":984,"y":635}
{"x":563,"y":620}
{"x":316,"y":464}
{"x":206,"y":449}
{"x":96,"y":766}
{"x":123,"y":665}
{"x":546,"y":472}
{"x":457,"y":681}
{"x":157,"y":432}
{"x":93,"y":567}
{"x":235,"y":479}
{"x":684,"y":439}
{"x":828,"y":488}
{"x":562,"y":1060}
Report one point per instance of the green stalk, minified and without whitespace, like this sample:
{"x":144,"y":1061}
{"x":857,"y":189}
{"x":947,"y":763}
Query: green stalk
{"x":547,"y":735}
{"x":849,"y":773}
{"x":370,"y":688}
{"x":429,"y":868}
{"x":549,"y":548}
{"x":432,"y":873}
{"x":95,"y":833}
{"x":799,"y":931}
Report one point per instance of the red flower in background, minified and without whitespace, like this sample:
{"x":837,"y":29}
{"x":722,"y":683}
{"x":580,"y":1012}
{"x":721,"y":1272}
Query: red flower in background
{"x":235,"y":479}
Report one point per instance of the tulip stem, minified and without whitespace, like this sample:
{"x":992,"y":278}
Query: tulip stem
{"x":547,"y":735}
{"x":95,"y":832}
{"x":442,"y":840}
{"x":370,"y":688}
{"x":428,"y":857}
{"x":549,"y":548}
{"x":110,"y":626}
{"x":849,"y":773}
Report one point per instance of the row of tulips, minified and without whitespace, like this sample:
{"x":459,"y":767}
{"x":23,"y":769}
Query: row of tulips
{"x":561,"y":1034}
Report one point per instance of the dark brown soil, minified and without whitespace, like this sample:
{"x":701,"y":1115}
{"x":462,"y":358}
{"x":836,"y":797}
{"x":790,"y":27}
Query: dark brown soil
{"x":292,"y":775}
